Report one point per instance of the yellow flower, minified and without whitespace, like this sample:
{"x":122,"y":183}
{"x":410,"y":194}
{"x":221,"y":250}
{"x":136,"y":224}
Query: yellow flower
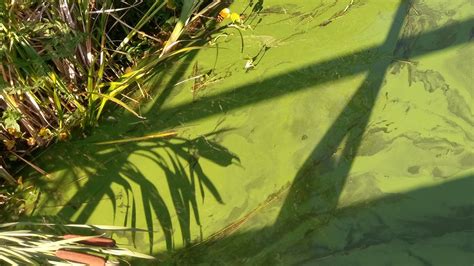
{"x":11,"y":130}
{"x":9,"y":144}
{"x":44,"y":132}
{"x":235,"y":17}
{"x":63,"y":135}
{"x":225,"y":13}
{"x":31,"y":141}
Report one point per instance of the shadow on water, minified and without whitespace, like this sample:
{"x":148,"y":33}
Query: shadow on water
{"x":310,"y":186}
{"x":427,"y":226}
{"x":175,"y":159}
{"x":97,"y":172}
{"x":311,"y":75}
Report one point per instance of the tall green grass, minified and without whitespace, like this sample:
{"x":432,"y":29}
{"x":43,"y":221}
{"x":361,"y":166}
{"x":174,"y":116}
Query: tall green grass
{"x":63,"y":62}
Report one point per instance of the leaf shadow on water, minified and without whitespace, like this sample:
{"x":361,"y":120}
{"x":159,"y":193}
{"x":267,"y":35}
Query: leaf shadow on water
{"x":175,"y":159}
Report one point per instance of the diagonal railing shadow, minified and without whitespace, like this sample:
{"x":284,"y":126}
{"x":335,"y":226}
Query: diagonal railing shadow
{"x":349,"y":126}
{"x":343,"y":66}
{"x":374,"y":232}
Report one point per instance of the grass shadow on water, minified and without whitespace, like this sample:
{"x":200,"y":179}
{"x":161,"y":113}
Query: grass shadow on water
{"x":107,"y":169}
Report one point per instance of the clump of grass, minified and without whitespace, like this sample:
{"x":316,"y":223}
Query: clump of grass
{"x":63,"y":61}
{"x":11,"y":203}
{"x":47,"y":246}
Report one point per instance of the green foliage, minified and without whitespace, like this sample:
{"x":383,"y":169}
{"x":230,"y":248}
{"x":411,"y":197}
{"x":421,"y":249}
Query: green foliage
{"x":37,"y":247}
{"x":11,"y":203}
{"x":10,"y":119}
{"x":63,"y":61}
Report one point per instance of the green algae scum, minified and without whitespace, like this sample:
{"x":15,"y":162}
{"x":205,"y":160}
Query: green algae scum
{"x":327,"y":133}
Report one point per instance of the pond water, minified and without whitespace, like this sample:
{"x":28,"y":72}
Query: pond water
{"x":341,"y":134}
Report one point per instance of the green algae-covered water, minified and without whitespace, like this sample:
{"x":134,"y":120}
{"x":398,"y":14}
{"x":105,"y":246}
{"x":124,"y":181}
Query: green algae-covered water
{"x":342,"y":134}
